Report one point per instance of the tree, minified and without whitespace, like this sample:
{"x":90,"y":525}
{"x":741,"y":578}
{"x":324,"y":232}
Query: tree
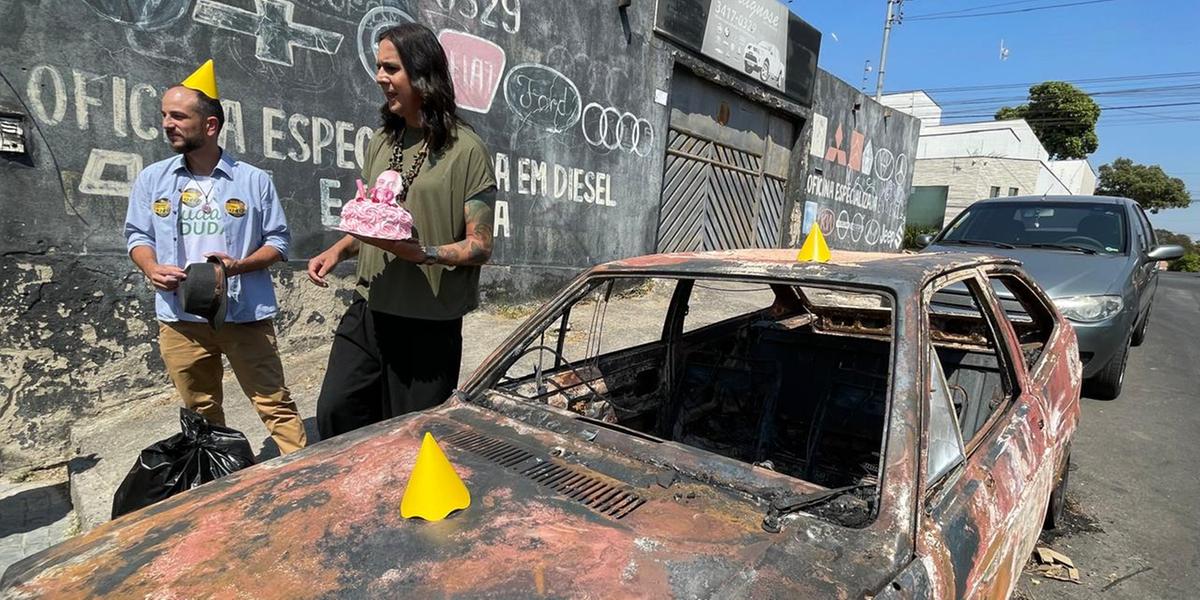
{"x":1149,"y":185}
{"x":1190,"y":263}
{"x":1063,"y":117}
{"x":1170,"y":237}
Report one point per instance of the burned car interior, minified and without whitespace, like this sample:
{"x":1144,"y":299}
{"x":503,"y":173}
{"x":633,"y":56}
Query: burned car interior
{"x":791,"y":378}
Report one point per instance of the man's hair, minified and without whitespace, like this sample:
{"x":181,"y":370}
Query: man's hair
{"x":428,"y":72}
{"x":209,"y":107}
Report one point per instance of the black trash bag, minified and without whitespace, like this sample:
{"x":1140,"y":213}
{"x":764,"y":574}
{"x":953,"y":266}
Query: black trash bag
{"x":202,"y":453}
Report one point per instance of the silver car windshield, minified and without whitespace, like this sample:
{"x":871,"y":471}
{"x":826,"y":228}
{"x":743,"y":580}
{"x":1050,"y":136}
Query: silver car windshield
{"x":1079,"y":227}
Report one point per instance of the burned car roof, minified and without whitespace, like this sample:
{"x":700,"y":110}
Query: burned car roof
{"x":895,"y":271}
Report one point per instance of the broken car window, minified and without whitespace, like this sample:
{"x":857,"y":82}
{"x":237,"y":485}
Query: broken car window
{"x":945,"y":441}
{"x":789,"y":378}
{"x":1030,"y":317}
{"x":978,"y":381}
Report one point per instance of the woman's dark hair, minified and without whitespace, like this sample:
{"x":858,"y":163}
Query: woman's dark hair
{"x":428,"y":72}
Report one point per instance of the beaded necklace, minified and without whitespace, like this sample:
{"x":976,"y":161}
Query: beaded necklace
{"x":397,"y":164}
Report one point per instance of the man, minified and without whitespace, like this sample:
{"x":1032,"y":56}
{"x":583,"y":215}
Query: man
{"x":206,"y":203}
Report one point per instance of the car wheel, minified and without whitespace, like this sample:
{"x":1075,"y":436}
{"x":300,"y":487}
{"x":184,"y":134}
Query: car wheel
{"x":1139,"y":334}
{"x":765,"y":72}
{"x":1058,"y":499}
{"x":1106,"y":385}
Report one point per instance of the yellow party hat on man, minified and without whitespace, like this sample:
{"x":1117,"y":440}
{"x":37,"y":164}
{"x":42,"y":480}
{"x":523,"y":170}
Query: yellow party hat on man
{"x":814,"y":249}
{"x":203,"y":80}
{"x":434,"y":490}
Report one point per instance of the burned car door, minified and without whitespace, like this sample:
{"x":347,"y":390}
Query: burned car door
{"x":978,"y":522}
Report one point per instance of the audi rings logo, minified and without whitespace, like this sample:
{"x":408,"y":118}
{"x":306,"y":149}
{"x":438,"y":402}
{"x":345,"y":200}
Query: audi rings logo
{"x":370,"y":26}
{"x":613,"y":129}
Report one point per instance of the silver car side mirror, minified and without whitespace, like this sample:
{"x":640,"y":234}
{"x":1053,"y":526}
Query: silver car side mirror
{"x":1165,"y":252}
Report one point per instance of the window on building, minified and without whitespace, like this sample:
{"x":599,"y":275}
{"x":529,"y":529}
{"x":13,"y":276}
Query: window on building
{"x":927,"y":207}
{"x":995,"y":193}
{"x":1013,"y":191}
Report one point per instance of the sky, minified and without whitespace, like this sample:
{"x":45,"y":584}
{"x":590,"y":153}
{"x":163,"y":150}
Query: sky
{"x":1098,"y":39}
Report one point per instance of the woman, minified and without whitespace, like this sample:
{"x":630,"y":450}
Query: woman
{"x":399,"y":345}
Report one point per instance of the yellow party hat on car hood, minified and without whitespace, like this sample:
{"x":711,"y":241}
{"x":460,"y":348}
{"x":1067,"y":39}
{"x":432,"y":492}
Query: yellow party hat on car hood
{"x":814,"y":249}
{"x":434,"y":490}
{"x":203,"y":80}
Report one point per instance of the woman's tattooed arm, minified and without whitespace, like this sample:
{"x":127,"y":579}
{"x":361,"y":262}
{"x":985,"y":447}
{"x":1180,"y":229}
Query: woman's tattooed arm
{"x":476,"y":249}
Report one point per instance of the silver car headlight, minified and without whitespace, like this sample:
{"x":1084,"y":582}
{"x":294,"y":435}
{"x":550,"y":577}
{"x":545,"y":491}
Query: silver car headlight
{"x":1089,"y":309}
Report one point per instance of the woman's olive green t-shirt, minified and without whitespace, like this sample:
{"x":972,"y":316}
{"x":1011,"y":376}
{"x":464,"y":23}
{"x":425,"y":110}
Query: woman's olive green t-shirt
{"x":437,"y":199}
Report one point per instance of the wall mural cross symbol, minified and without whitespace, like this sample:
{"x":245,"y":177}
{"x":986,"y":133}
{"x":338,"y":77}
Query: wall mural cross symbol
{"x":271,"y":24}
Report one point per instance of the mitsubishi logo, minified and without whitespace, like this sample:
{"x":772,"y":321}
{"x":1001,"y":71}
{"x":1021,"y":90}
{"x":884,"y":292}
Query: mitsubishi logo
{"x":272,"y":27}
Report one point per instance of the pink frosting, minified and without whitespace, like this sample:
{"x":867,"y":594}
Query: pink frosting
{"x":375,"y":213}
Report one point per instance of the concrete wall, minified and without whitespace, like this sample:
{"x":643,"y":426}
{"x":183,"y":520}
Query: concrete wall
{"x":570,"y":97}
{"x":970,"y":179}
{"x":858,"y":173}
{"x":1076,"y":175}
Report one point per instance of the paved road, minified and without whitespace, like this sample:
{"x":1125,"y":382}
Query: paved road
{"x":1134,"y":528}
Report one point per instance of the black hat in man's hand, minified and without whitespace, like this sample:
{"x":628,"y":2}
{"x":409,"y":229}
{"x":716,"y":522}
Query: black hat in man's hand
{"x":202,"y":293}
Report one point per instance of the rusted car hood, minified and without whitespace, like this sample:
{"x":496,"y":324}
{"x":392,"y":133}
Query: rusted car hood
{"x":325,"y":523}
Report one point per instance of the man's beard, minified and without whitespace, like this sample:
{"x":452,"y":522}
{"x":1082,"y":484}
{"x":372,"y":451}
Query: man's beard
{"x":188,"y":144}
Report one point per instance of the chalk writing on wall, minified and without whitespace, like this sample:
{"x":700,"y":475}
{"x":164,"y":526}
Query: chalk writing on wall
{"x":272,"y":26}
{"x":612,"y":129}
{"x":865,"y":185}
{"x":542,"y":97}
{"x":144,"y":15}
{"x":529,"y":177}
{"x":372,"y":23}
{"x":94,"y":103}
{"x":504,"y":14}
{"x":94,"y":181}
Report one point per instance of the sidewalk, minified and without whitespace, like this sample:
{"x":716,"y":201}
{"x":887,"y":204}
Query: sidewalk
{"x":33,"y":516}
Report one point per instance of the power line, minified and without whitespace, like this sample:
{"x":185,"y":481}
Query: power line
{"x":1188,"y":90}
{"x":929,"y":17}
{"x":1102,"y":108}
{"x":975,"y":8}
{"x":999,"y":86}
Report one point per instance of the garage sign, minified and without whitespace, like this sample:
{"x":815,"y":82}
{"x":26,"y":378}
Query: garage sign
{"x":760,"y":39}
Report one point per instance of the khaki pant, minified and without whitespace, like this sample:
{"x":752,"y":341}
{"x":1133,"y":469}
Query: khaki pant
{"x":192,"y":353}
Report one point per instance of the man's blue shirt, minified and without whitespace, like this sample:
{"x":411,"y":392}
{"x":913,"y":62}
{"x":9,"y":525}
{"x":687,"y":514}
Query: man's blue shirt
{"x":251,"y":216}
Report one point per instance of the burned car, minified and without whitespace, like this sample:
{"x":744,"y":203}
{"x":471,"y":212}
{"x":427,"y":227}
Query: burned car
{"x":723,"y":424}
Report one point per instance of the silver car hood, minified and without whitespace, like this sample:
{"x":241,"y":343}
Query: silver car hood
{"x":1063,"y":273}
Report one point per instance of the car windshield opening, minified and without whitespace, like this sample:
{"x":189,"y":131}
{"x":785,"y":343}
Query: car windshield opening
{"x":791,"y":378}
{"x":1080,"y":227}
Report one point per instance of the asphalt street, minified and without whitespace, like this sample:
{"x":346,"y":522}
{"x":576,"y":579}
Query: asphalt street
{"x":1134,"y":499}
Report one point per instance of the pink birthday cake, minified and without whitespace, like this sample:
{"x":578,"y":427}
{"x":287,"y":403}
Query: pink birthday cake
{"x":376,"y":212}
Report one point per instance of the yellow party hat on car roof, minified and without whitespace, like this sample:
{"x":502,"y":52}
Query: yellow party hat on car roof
{"x":814,"y":249}
{"x":203,"y":80}
{"x":434,"y":490}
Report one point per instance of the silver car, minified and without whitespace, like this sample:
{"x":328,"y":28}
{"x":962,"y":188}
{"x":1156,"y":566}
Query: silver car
{"x":1096,"y":257}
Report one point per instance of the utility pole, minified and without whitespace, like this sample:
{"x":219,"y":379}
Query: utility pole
{"x":892,"y":18}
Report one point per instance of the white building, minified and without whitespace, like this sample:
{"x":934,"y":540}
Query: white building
{"x":959,"y":164}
